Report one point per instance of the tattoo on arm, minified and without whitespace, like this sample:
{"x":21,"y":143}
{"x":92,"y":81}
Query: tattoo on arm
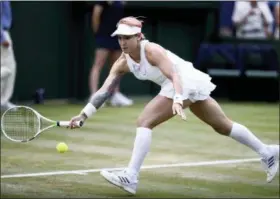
{"x":104,"y":93}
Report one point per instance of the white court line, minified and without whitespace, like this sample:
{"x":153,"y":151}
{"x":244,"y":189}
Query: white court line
{"x":84,"y":172}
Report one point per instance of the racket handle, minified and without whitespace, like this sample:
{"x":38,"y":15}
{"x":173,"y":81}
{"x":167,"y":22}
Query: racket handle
{"x":67,"y":123}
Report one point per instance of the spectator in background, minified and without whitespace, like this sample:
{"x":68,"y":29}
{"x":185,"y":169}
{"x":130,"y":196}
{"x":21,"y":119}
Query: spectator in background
{"x":277,"y":20}
{"x":105,"y":15}
{"x":252,"y":19}
{"x":225,"y":22}
{"x":8,"y":63}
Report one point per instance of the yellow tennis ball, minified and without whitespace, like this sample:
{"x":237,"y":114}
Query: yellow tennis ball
{"x":61,"y":147}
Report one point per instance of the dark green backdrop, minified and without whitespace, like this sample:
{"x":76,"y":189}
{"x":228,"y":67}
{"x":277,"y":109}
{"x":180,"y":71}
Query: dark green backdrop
{"x":54,"y":44}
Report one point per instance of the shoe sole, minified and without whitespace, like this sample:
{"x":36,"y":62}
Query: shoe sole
{"x":277,"y":166}
{"x":115,"y":183}
{"x":270,"y":180}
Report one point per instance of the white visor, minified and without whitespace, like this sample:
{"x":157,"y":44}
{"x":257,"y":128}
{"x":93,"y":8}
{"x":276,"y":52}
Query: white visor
{"x":124,"y":29}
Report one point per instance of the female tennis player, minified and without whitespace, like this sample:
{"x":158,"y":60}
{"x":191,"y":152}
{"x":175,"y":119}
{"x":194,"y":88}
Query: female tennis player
{"x":182,"y":86}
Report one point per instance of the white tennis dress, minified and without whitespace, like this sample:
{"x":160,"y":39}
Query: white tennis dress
{"x":196,"y":84}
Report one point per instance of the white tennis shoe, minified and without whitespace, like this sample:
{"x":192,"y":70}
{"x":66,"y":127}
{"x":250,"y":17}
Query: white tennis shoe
{"x":271,"y":162}
{"x":119,"y":99}
{"x":121,"y":179}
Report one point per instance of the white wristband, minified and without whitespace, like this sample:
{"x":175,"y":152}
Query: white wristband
{"x":89,"y":110}
{"x":178,"y":99}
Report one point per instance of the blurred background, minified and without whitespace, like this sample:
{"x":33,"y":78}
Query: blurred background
{"x":235,"y":42}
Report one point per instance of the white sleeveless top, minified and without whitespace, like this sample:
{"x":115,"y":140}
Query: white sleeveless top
{"x":145,"y":71}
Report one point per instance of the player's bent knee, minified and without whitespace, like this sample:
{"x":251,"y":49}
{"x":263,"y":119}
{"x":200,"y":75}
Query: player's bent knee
{"x":144,"y":122}
{"x":223,"y":128}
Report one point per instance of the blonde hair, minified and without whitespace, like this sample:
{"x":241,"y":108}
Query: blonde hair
{"x":132,"y":21}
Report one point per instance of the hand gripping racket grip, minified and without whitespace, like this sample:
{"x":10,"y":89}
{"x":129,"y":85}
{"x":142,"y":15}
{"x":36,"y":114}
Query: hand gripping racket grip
{"x":67,"y":123}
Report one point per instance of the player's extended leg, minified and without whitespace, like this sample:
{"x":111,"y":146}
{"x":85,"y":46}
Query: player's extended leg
{"x":156,"y":112}
{"x":211,"y":113}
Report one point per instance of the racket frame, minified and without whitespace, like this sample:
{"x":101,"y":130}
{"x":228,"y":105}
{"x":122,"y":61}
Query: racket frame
{"x":40,"y":118}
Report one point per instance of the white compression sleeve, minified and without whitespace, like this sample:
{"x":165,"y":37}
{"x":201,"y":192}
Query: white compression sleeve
{"x":142,"y":145}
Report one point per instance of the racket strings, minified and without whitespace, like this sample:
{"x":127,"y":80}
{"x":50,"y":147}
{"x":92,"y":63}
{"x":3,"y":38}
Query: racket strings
{"x":20,"y":123}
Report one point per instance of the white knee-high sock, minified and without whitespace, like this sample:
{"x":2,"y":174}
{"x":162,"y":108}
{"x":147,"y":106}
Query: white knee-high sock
{"x":244,"y":136}
{"x":142,"y":145}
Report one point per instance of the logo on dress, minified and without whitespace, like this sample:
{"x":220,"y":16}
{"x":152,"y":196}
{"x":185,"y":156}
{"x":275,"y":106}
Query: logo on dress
{"x":139,"y":69}
{"x":136,"y":67}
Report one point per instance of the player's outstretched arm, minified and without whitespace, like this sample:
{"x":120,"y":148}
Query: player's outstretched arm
{"x":119,"y":68}
{"x":106,"y":90}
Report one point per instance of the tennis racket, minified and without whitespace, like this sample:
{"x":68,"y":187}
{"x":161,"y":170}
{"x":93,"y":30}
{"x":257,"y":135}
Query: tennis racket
{"x":23,"y":124}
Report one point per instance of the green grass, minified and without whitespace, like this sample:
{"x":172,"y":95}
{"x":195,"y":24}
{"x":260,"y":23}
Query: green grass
{"x":107,"y":139}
